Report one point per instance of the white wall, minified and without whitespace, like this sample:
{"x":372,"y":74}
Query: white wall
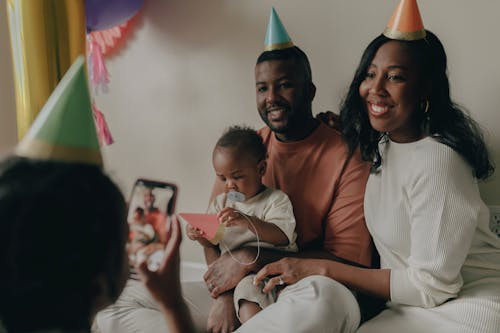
{"x":187,"y":73}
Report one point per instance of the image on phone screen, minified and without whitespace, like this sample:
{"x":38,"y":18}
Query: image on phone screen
{"x":151,"y":204}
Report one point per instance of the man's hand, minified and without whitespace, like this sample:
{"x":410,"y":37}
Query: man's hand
{"x":222,"y":317}
{"x":225,"y":272}
{"x":329,"y":118}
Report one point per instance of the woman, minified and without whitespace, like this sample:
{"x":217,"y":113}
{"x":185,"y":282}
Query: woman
{"x":440,"y":263}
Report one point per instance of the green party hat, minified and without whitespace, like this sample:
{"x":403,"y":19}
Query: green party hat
{"x":276,"y":37}
{"x":64,"y":129}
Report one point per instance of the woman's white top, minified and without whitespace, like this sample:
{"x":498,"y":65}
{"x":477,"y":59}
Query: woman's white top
{"x":431,"y":228}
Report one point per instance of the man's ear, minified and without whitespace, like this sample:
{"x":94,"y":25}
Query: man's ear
{"x":261,"y":167}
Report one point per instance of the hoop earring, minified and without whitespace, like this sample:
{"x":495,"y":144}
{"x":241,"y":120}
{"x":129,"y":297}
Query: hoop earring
{"x":425,"y":125}
{"x":427,"y":106}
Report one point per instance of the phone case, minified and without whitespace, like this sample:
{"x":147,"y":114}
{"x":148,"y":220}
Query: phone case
{"x":151,"y":205}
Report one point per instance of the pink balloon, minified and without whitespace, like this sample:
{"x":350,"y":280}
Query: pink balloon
{"x":105,"y":14}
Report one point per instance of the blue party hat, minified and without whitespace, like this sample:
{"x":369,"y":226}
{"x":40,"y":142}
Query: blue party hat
{"x":276,"y":37}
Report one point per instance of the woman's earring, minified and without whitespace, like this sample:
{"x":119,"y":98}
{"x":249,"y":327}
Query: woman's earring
{"x":426,"y":107}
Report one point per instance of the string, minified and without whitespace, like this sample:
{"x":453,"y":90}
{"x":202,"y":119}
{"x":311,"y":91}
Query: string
{"x":256,"y":235}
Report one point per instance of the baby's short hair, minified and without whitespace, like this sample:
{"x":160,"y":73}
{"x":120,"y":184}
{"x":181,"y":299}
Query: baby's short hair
{"x":140,"y":211}
{"x":245,"y":140}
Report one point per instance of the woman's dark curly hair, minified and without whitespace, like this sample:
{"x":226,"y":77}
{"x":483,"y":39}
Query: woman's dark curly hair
{"x":447,"y":122}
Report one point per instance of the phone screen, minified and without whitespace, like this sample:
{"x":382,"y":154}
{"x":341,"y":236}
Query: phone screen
{"x":151,"y":204}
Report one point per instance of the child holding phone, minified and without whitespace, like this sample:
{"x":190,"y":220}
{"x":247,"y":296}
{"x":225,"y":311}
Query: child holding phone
{"x":254,"y":215}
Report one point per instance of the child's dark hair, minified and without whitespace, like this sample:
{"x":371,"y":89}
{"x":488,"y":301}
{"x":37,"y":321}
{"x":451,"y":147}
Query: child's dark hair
{"x":244,"y":139}
{"x":63,"y":226}
{"x":140,"y":211}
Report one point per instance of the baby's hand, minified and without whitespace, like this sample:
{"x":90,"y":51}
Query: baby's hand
{"x":197,"y":235}
{"x":194,"y":233}
{"x":230,"y":217}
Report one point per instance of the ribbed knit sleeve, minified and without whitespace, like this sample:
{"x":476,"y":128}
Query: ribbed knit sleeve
{"x":445,"y":204}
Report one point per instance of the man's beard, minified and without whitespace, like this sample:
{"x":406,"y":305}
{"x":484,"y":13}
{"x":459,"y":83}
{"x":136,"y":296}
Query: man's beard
{"x":288,"y":116}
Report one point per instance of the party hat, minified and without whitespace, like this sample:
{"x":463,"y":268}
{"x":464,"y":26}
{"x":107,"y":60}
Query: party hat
{"x":406,"y":22}
{"x":64,"y":129}
{"x":276,"y":36}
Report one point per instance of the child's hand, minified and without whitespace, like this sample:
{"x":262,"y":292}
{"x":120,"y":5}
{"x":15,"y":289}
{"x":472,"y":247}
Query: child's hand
{"x":230,"y":217}
{"x":194,"y":233}
{"x":197,"y":235}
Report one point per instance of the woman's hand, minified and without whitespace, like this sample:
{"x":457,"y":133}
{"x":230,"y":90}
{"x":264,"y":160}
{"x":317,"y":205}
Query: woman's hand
{"x":230,"y":217}
{"x":287,"y":271}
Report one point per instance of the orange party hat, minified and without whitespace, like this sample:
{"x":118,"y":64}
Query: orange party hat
{"x":406,"y":22}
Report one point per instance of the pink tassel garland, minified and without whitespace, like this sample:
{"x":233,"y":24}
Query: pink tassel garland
{"x":103,"y":132}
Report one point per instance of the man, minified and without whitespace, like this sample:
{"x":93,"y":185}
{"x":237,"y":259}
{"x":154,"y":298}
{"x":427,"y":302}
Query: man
{"x":325,"y":182}
{"x":310,"y":163}
{"x":149,"y":200}
{"x":152,"y":214}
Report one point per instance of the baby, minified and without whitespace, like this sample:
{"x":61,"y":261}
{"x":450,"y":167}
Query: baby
{"x":143,"y":232}
{"x":252,"y":213}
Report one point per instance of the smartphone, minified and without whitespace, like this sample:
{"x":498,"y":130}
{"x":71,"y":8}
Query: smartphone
{"x":151,"y":205}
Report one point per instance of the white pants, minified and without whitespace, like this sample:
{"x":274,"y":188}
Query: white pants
{"x":315,"y":304}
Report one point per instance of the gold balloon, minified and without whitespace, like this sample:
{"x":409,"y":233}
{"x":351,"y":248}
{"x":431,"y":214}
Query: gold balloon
{"x":46,"y":37}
